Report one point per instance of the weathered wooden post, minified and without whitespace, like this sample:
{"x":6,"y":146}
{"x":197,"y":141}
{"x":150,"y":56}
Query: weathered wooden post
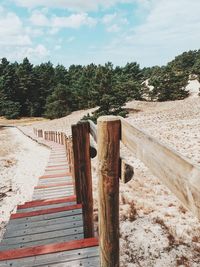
{"x":82,"y":174}
{"x":62,"y":138}
{"x":108,"y":132}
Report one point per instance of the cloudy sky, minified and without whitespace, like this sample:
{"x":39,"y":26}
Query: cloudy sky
{"x":150,"y":32}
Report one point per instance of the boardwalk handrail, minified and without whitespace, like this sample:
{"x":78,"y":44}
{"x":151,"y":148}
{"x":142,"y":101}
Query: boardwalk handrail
{"x":180,"y":175}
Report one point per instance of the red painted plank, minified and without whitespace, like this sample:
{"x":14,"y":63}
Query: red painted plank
{"x":42,"y":212}
{"x":53,"y":185}
{"x":47,"y":249}
{"x":45,"y":202}
{"x":55,"y":175}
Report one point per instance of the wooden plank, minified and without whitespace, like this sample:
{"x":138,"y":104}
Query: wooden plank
{"x":42,"y":212}
{"x":53,"y":190}
{"x":46,"y":202}
{"x":83,"y":175}
{"x":65,"y":218}
{"x":46,"y":216}
{"x":180,"y":175}
{"x":48,"y":241}
{"x":52,"y":185}
{"x":54,"y":181}
{"x":58,"y":162}
{"x":56,"y":175}
{"x":53,"y":195}
{"x":62,"y":157}
{"x":90,"y":262}
{"x":57,"y":189}
{"x":56,"y":170}
{"x":60,"y":257}
{"x":41,"y":236}
{"x":56,"y":165}
{"x":108,"y":132}
{"x":42,"y":229}
{"x":47,"y":207}
{"x":40,"y":250}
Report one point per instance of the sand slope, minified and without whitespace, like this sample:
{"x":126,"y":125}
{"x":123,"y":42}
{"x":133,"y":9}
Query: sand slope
{"x":22,"y":161}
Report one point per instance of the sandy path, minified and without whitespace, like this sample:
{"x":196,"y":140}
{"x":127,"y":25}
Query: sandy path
{"x":22,"y":161}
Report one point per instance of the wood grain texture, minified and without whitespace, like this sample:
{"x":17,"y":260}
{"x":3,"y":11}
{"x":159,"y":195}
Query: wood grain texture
{"x":40,"y":250}
{"x":71,"y":258}
{"x":42,"y":212}
{"x":83,"y":175}
{"x":45,"y":202}
{"x":108,"y":131}
{"x":180,"y":175}
{"x":55,"y":175}
{"x":53,"y":185}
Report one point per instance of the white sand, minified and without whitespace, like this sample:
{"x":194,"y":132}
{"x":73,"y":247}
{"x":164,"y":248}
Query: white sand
{"x":193,"y":87}
{"x":156,"y":230}
{"x":22,"y":161}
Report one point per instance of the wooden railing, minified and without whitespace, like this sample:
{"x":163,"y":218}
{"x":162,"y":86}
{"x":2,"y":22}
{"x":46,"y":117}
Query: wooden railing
{"x":180,"y":175}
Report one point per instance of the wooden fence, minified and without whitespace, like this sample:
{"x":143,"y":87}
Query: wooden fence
{"x":180,"y":175}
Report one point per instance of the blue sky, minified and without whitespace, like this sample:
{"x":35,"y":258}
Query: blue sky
{"x":151,"y":32}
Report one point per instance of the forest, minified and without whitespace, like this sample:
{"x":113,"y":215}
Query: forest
{"x":28,"y":90}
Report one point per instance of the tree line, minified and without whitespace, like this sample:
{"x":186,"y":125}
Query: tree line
{"x":44,"y":90}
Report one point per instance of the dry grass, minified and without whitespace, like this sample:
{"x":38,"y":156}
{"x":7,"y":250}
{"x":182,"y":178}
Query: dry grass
{"x":22,"y":121}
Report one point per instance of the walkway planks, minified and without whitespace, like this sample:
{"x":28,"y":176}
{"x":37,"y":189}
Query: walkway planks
{"x":48,"y":231}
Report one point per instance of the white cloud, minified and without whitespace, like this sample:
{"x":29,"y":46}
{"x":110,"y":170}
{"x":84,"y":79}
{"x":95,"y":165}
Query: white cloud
{"x":12,"y":31}
{"x":108,"y":18}
{"x":113,"y":28}
{"x":114,"y":22}
{"x":32,"y":53}
{"x":73,"y":21}
{"x":39,"y":19}
{"x":75,"y":5}
{"x":15,"y":41}
{"x":34,"y":32}
{"x":55,"y":23}
{"x":170,"y":28}
{"x":38,"y":52}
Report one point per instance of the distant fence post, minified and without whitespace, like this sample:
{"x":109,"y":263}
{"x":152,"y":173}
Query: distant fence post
{"x":108,"y":132}
{"x":82,"y":174}
{"x":62,"y":138}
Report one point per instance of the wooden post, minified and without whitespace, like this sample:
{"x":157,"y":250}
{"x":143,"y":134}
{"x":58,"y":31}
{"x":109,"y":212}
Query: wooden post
{"x":62,"y":138}
{"x":108,"y":132}
{"x":83,"y":175}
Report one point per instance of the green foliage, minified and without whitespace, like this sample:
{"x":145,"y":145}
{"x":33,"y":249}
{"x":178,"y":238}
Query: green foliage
{"x":169,"y":85}
{"x":58,"y":103}
{"x":11,"y":110}
{"x":27,"y":90}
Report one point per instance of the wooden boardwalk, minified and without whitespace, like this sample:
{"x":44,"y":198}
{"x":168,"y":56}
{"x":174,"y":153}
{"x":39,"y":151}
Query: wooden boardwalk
{"x":48,"y":231}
